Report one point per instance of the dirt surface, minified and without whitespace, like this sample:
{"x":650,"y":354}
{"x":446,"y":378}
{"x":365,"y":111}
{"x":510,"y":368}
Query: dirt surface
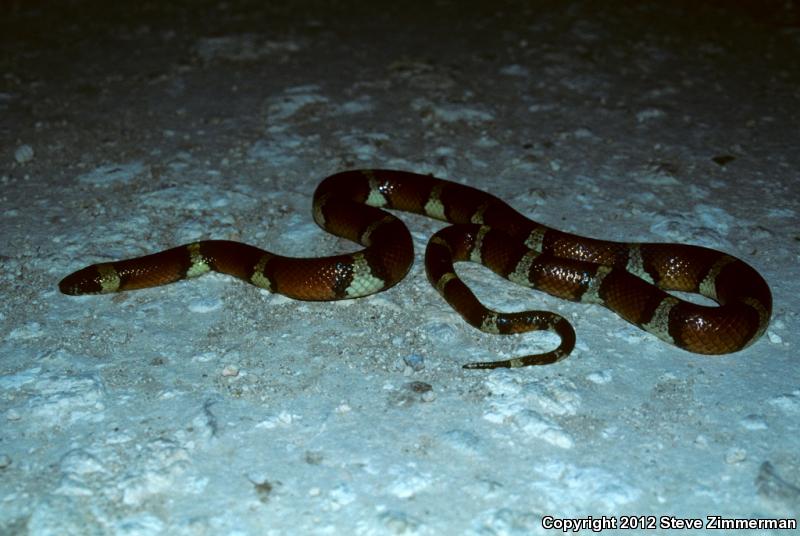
{"x":213,"y":407}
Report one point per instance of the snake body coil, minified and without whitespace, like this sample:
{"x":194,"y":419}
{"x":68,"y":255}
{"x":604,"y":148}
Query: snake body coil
{"x":631,"y":279}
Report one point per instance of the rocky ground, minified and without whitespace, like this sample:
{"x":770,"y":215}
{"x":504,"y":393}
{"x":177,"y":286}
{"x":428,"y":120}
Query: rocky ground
{"x":213,"y":407}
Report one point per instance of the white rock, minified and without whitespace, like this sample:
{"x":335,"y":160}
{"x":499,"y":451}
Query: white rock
{"x":23,"y":154}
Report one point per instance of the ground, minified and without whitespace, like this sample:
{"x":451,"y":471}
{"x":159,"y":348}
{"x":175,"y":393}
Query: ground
{"x":212,"y":407}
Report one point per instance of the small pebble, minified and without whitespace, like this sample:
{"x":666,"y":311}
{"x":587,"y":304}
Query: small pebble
{"x":754,"y":422}
{"x":230,"y":370}
{"x":425,"y":390}
{"x":416,"y":362}
{"x":23,"y":154}
{"x":420,"y":387}
{"x":774,"y":337}
{"x":735,"y":455}
{"x":5,"y":461}
{"x":723,"y":159}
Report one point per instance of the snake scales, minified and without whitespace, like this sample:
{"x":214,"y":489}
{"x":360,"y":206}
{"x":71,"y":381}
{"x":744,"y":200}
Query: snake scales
{"x":631,"y":279}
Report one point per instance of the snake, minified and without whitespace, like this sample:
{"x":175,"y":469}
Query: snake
{"x":635,"y":280}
